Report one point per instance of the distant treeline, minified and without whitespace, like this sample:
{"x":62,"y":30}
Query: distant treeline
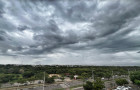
{"x":71,"y":69}
{"x":21,"y":73}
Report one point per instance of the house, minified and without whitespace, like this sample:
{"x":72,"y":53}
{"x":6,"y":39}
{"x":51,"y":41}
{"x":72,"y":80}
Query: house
{"x":57,"y":80}
{"x":67,"y":74}
{"x":75,"y":77}
{"x":38,"y":81}
{"x":54,"y":75}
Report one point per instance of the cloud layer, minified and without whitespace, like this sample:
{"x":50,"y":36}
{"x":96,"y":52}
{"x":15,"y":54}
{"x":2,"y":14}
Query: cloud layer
{"x":93,"y":32}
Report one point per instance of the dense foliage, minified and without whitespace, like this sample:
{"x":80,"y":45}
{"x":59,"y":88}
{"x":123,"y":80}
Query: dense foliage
{"x":135,"y":78}
{"x":88,"y":86}
{"x":23,"y":73}
{"x":8,"y":77}
{"x":121,"y":81}
{"x":96,"y":85}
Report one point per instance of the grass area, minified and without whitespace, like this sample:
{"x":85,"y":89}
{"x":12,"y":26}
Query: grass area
{"x":71,"y":88}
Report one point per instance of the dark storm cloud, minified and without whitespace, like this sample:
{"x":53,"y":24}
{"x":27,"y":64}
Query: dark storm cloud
{"x":2,"y":35}
{"x":1,"y":38}
{"x":1,"y":14}
{"x":22,"y":27}
{"x":37,"y":27}
{"x":1,"y":9}
{"x":115,"y":16}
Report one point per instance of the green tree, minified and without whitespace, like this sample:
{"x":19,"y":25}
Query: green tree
{"x":98,"y":84}
{"x":135,"y":77}
{"x":108,"y":75}
{"x":28,"y":74}
{"x":49,"y":80}
{"x":4,"y":78}
{"x":88,"y":86}
{"x":40,"y":75}
{"x":84,"y":76}
{"x":121,"y":81}
{"x":100,"y":74}
{"x":71,"y":76}
{"x":21,"y":80}
{"x":137,"y":82}
{"x":31,"y":79}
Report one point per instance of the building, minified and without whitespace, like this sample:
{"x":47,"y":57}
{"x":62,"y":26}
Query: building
{"x":54,"y":75}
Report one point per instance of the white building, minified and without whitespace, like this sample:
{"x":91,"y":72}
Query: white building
{"x":122,"y":88}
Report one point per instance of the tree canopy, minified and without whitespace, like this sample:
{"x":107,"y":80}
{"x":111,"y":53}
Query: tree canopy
{"x":121,"y":81}
{"x":135,"y":77}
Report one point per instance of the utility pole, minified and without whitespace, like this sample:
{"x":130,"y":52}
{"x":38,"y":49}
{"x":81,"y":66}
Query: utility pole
{"x":92,"y":75}
{"x":44,"y":82}
{"x":112,"y":75}
{"x":113,"y":79}
{"x":128,"y":73}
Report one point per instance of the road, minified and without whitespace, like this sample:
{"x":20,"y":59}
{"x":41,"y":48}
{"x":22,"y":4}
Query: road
{"x":49,"y":86}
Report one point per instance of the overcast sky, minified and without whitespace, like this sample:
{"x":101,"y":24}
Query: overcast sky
{"x":77,"y":32}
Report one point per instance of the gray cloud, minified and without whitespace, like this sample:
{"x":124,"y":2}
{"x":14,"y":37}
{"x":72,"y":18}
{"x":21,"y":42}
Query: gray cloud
{"x":21,"y":28}
{"x":47,"y":29}
{"x":1,"y":38}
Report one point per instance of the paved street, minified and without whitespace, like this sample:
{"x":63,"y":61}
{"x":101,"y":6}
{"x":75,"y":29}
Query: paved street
{"x":64,"y":85}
